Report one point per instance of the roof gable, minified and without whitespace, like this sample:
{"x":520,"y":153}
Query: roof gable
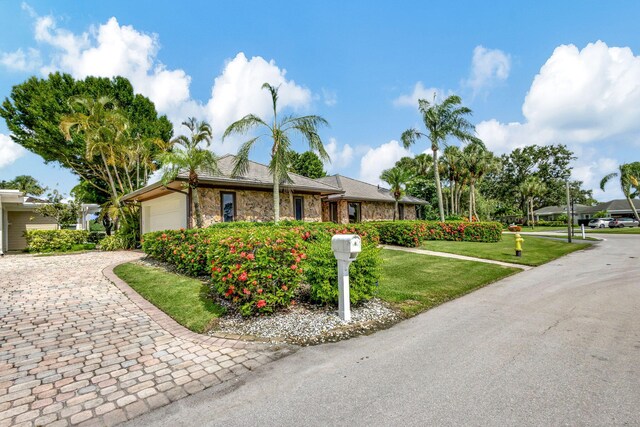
{"x":360,"y":190}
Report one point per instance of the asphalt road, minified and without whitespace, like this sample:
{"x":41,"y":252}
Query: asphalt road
{"x":556,"y":345}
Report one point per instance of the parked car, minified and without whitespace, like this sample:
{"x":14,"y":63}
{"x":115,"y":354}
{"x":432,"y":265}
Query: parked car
{"x":600,"y":222}
{"x":623,"y":222}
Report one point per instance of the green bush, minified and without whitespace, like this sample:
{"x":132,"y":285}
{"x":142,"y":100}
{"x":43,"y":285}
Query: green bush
{"x":251,"y":264}
{"x":413,"y":233}
{"x":321,"y":267}
{"x":54,"y":240}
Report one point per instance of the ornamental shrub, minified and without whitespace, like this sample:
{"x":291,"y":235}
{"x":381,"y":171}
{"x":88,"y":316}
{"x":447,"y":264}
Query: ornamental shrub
{"x":413,"y":233}
{"x":321,"y":267}
{"x":54,"y":240}
{"x":515,"y":228}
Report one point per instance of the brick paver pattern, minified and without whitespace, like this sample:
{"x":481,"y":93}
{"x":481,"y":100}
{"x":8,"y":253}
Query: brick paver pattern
{"x":75,"y":350}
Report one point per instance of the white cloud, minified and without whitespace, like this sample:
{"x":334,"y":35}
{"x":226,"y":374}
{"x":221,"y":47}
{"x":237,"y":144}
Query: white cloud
{"x":330,"y":97}
{"x":487,"y":67}
{"x":9,"y":151}
{"x":111,"y":49}
{"x":419,"y":92}
{"x":238,"y":92}
{"x":340,"y":157}
{"x":20,"y":60}
{"x":380,"y":158}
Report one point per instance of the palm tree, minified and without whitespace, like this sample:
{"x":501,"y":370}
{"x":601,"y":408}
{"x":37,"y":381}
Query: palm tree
{"x":279,"y":131}
{"x":102,"y":127}
{"x":629,"y":174}
{"x":531,"y":187}
{"x":441,"y":121}
{"x":452,"y":168}
{"x":188,"y":155}
{"x":478,"y":161}
{"x":397,"y":178}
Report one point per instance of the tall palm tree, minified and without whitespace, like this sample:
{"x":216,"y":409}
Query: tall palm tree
{"x":452,"y":167}
{"x":531,"y":188}
{"x":397,"y":179}
{"x":478,"y":161}
{"x":279,"y":131}
{"x":441,"y":121}
{"x":629,"y":174}
{"x":188,"y":155}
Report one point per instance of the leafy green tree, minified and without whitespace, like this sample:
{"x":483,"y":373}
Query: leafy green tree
{"x":452,"y":167}
{"x":25,"y":184}
{"x":397,"y":179}
{"x":628,"y":174}
{"x":35,"y":108}
{"x":279,"y":131}
{"x":443,"y":120}
{"x":188,"y":155}
{"x":64,"y":213}
{"x":307,"y":164}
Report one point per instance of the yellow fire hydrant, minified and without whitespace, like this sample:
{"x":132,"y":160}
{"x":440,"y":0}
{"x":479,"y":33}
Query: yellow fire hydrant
{"x":519,"y":241}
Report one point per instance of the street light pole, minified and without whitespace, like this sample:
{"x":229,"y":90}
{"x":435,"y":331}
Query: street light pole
{"x":568,"y":213}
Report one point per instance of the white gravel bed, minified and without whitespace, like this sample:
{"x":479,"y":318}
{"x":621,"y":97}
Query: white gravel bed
{"x":307,"y":324}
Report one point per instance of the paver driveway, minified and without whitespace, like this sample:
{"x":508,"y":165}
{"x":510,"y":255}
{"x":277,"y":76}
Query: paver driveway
{"x":75,"y":349}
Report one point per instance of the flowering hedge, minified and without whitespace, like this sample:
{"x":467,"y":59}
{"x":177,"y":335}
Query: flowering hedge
{"x":413,"y":233}
{"x":54,"y":240}
{"x":258,"y":267}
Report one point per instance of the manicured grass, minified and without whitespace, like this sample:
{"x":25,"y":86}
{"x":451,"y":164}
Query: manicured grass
{"x":625,"y":230}
{"x":535,"y":250}
{"x":415,"y":282}
{"x":537,"y":229}
{"x":183,"y":298}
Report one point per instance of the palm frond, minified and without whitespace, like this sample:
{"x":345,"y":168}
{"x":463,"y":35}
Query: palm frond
{"x":606,"y":179}
{"x":241,"y":166}
{"x":244,"y":125}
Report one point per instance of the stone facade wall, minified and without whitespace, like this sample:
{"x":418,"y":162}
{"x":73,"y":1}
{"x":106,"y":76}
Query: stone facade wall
{"x":369,"y":211}
{"x":256,"y":205}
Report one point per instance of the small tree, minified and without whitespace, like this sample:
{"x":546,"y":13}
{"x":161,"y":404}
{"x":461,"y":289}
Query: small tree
{"x":629,"y":174}
{"x":25,"y":184}
{"x":397,"y":178}
{"x":307,"y":164}
{"x":65,"y":213}
{"x":531,"y":187}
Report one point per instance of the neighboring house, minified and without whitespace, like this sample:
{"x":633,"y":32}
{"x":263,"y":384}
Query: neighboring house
{"x":225,"y":198}
{"x":360,"y":201}
{"x":615,"y":208}
{"x":17,"y":215}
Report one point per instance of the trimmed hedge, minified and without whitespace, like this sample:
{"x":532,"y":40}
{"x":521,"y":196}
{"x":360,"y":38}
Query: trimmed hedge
{"x":414,"y":233}
{"x":54,"y":240}
{"x":258,"y":267}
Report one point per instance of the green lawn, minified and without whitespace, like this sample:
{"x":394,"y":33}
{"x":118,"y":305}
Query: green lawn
{"x":626,"y":230}
{"x":535,"y":250}
{"x":181,"y":297}
{"x":536,"y":229}
{"x":415,"y":282}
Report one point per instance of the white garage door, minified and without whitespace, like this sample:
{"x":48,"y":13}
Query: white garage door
{"x":164,"y":213}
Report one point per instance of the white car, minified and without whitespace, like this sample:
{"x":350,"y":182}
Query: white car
{"x":600,"y":222}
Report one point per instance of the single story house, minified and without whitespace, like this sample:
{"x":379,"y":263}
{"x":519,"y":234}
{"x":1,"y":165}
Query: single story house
{"x":226,"y":198}
{"x":361,"y":201}
{"x":18,"y":214}
{"x":615,"y":208}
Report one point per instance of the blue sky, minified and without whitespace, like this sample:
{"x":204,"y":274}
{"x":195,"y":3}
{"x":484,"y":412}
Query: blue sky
{"x":536,"y":72}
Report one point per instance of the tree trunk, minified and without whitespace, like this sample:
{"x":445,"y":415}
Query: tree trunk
{"x":112,"y":184}
{"x":452,"y":189}
{"x":471,"y":202}
{"x":438,"y":187}
{"x":395,"y":211}
{"x":276,"y":199}
{"x":196,"y":206}
{"x":633,"y":207}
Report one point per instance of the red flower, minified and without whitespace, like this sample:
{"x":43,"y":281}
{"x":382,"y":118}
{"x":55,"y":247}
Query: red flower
{"x":229,"y":291}
{"x":251,"y":256}
{"x":243,"y":254}
{"x":261,"y":303}
{"x":284,"y":287}
{"x":259,"y":291}
{"x":294,"y":267}
{"x":269,"y":276}
{"x":246,"y":291}
{"x":298,"y":259}
{"x":243,"y":276}
{"x":224,"y":279}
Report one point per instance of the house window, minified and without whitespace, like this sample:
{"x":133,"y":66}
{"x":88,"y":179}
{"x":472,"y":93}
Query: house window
{"x":400,"y":211}
{"x":333,"y":212}
{"x":228,"y":207}
{"x":298,"y":208}
{"x":354,"y":212}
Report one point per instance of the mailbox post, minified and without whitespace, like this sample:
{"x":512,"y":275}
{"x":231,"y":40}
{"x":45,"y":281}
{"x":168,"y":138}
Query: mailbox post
{"x":346,"y":248}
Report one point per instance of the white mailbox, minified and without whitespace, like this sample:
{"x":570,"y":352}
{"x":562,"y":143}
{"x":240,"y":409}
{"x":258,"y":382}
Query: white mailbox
{"x":346,"y":246}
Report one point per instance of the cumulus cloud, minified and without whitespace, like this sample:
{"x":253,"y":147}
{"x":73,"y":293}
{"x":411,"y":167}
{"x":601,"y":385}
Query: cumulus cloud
{"x":579,"y":96}
{"x":111,"y":49}
{"x":238,"y":91}
{"x":330,"y":97}
{"x":340,"y":156}
{"x":20,"y":60}
{"x":419,"y":92}
{"x":380,"y":158}
{"x":9,"y":151}
{"x":488,"y":66}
